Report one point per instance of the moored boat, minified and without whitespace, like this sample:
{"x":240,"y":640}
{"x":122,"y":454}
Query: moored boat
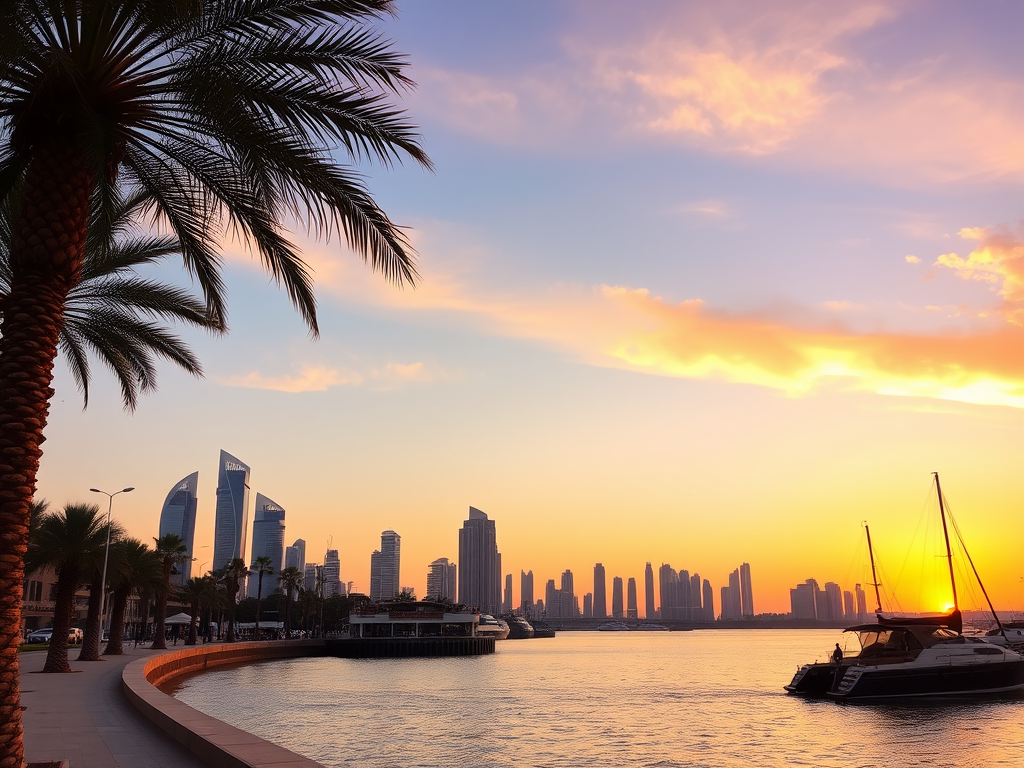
{"x":491,"y":627}
{"x":613,"y":626}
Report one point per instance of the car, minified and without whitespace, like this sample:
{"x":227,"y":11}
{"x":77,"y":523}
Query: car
{"x":40,"y":635}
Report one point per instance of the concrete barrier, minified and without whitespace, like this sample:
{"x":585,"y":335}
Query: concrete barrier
{"x":216,"y":743}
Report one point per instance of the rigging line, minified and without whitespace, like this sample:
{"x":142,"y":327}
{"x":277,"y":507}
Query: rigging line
{"x":999,"y":624}
{"x":923,"y":516}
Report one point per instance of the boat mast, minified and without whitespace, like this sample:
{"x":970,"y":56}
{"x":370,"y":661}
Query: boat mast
{"x":945,"y":532}
{"x":874,"y":578}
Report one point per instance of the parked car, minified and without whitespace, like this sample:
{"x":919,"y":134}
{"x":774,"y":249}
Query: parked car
{"x":39,"y":635}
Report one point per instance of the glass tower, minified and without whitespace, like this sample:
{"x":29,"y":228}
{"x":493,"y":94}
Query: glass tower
{"x":232,"y":513}
{"x":178,"y":516}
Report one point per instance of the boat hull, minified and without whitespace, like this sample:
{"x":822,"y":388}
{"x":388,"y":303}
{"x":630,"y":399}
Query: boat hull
{"x":940,"y":680}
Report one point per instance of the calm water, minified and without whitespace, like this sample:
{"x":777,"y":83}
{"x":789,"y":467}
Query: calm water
{"x":711,"y":698}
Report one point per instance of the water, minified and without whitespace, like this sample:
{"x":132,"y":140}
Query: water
{"x":651,"y":699}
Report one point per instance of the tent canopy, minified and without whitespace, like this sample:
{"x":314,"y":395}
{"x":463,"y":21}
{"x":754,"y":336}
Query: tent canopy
{"x":179,"y":618}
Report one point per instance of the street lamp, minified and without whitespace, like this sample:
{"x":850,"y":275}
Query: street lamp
{"x":106,"y":554}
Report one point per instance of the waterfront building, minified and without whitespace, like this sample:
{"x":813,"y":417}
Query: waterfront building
{"x":526,"y":592}
{"x":295,"y":555}
{"x":696,"y":612}
{"x":588,"y":605}
{"x":833,"y":602}
{"x":550,"y":599}
{"x":600,"y":597}
{"x":309,"y":577}
{"x":617,"y":597}
{"x":506,"y":605}
{"x":441,"y":580}
{"x":267,"y":540}
{"x":668,"y":583}
{"x":848,"y":612}
{"x":384,"y":568}
{"x":480,"y":563}
{"x":862,"y":604}
{"x":649,"y":610}
{"x":803,"y":600}
{"x":708,"y":604}
{"x":631,"y":611}
{"x":746,"y":592}
{"x":331,"y":574}
{"x":231,"y":512}
{"x":178,"y":517}
{"x":732,"y":599}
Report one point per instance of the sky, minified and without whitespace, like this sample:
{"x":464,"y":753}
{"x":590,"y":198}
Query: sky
{"x":702,"y":284}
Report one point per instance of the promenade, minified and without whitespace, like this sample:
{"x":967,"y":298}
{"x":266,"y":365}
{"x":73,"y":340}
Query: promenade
{"x":85,"y":717}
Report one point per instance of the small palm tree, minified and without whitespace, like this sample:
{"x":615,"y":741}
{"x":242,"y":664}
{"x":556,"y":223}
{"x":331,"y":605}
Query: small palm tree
{"x":198,"y":592}
{"x":262,"y":564}
{"x":290,"y":581}
{"x":65,"y":541}
{"x":92,"y":574}
{"x":232,"y":575}
{"x":173,"y":552}
{"x":134,"y":567}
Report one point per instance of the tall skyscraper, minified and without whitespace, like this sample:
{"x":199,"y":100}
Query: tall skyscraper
{"x":309,"y":577}
{"x":649,"y":610}
{"x":526,"y":592}
{"x":696,"y":612}
{"x":267,"y":541}
{"x":848,"y":611}
{"x":232,"y":511}
{"x":479,"y":563}
{"x":441,"y":580}
{"x":384,"y":568}
{"x":617,"y":597}
{"x":735,"y":601}
{"x":332,"y":573}
{"x":803,"y":600}
{"x":833,"y":601}
{"x":588,"y":605}
{"x":862,"y":604}
{"x":295,"y":555}
{"x":506,"y":604}
{"x":178,"y":516}
{"x":709,"y":602}
{"x":600,"y":597}
{"x":631,"y":612}
{"x":551,"y":600}
{"x":746,"y":592}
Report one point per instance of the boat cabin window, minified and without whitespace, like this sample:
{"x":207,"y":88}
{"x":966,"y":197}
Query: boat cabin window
{"x":887,"y":642}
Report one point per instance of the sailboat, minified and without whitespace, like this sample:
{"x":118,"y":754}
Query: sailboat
{"x":923,"y":656}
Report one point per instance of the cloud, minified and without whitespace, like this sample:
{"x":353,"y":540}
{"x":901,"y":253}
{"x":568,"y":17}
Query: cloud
{"x":319,"y":378}
{"x":997,"y":259}
{"x":911,"y":259}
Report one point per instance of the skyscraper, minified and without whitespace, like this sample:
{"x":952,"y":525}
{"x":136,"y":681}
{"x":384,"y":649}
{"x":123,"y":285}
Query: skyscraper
{"x":732,"y":598}
{"x":295,"y":555}
{"x":833,"y":601}
{"x":526,"y":592}
{"x":600,"y":597}
{"x":309,"y":577}
{"x":332,"y":573}
{"x":708,"y":605}
{"x":178,"y":516}
{"x":506,"y":604}
{"x":479,"y":563}
{"x":441,"y":580}
{"x":848,"y":612}
{"x":267,"y":540}
{"x":696,"y":612}
{"x":588,"y":605}
{"x":862,"y":603}
{"x":232,"y":511}
{"x":649,"y":592}
{"x":384,"y":568}
{"x":746,"y":592}
{"x":631,"y":612}
{"x":617,"y":597}
{"x":802,"y":600}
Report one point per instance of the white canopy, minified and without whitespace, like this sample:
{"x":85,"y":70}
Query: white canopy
{"x":180,"y":618}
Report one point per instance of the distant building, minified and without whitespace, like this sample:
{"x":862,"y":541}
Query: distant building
{"x":384,"y":568}
{"x":441,"y":580}
{"x":746,"y":592}
{"x":708,"y":606}
{"x":588,"y":605}
{"x":480,"y":563}
{"x":848,"y":610}
{"x":803,"y":600}
{"x":295,"y":555}
{"x":833,"y":602}
{"x":309,"y":577}
{"x":506,"y":604}
{"x":696,"y":612}
{"x":550,"y":599}
{"x":526,"y":592}
{"x":862,"y":603}
{"x":617,"y":611}
{"x":178,"y":517}
{"x":649,"y":592}
{"x":732,"y":598}
{"x":267,"y":541}
{"x":232,"y":511}
{"x":569,"y":605}
{"x":332,"y":574}
{"x":631,"y":611}
{"x":600,"y":597}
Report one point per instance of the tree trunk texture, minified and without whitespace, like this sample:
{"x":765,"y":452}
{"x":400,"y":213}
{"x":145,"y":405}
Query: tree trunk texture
{"x":115,"y":645}
{"x":160,"y":623}
{"x":192,"y":635}
{"x":63,"y":611}
{"x":46,"y":261}
{"x":91,"y":639}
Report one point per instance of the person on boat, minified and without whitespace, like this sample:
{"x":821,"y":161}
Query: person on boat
{"x":837,"y":654}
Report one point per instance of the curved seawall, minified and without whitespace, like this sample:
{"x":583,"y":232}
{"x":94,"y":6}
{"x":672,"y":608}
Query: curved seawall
{"x":214,"y":742}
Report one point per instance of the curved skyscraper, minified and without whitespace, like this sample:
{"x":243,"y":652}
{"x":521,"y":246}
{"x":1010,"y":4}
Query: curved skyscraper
{"x":232,"y":514}
{"x":178,"y":516}
{"x":267,"y":541}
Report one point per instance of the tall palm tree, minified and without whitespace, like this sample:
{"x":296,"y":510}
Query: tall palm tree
{"x":225,"y":117}
{"x":261,"y":565}
{"x":172,"y":551}
{"x":290,"y":580}
{"x":232,"y":575}
{"x":198,"y":592}
{"x":134,"y":567}
{"x":66,"y":541}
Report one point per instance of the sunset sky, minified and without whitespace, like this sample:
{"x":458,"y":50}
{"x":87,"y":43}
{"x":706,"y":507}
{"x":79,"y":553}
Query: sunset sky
{"x":703,"y":284}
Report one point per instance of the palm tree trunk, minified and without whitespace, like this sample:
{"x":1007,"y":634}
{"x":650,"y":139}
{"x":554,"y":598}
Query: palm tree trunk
{"x":192,"y":635}
{"x":232,"y":594}
{"x":118,"y":607}
{"x":46,"y":260}
{"x":91,"y":640}
{"x":63,"y":609}
{"x":259,"y":600}
{"x":160,"y":622}
{"x":287,"y":613}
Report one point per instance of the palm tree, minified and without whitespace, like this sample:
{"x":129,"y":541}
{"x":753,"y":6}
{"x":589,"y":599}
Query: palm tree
{"x":262,"y":564}
{"x":172,"y":551}
{"x":92,"y":574}
{"x":199,"y":591}
{"x":134,"y":567}
{"x":232,"y":575}
{"x":291,"y":581}
{"x":65,"y":541}
{"x":224,"y":117}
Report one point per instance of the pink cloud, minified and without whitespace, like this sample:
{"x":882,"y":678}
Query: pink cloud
{"x":998,"y":259}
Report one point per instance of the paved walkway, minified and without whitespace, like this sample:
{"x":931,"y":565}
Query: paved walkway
{"x":84,"y":717}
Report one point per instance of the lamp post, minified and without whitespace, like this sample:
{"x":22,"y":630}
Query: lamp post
{"x":106,"y":554}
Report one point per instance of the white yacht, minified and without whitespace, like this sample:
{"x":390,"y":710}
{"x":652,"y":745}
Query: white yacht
{"x":492,"y":627}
